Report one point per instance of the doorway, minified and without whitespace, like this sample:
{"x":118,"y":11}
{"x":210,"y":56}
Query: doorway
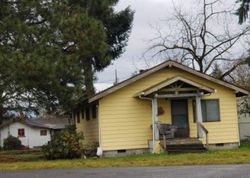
{"x":179,"y":110}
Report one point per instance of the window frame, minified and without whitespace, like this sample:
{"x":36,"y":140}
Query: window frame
{"x":205,"y":119}
{"x":78,"y":119}
{"x":219,"y":118}
{"x":19,"y":131}
{"x":94,"y":111}
{"x":83,"y":113}
{"x":87,"y":112}
{"x":46,"y":132}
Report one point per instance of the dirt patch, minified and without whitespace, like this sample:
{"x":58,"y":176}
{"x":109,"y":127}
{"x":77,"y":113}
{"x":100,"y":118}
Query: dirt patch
{"x":9,"y":159}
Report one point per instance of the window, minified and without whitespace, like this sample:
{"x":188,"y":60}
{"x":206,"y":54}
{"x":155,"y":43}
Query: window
{"x":87,"y":114}
{"x":43,"y":132}
{"x":94,"y":111}
{"x":21,"y":132}
{"x":82,"y":111}
{"x":78,"y":117}
{"x":210,"y":110}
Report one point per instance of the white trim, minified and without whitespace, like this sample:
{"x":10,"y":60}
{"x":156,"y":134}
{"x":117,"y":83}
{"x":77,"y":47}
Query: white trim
{"x":173,"y":80}
{"x":179,"y":95}
{"x":168,"y":63}
{"x":153,"y":128}
{"x":198,"y":116}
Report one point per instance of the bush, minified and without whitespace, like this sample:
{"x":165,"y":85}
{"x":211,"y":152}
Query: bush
{"x":64,"y":145}
{"x":90,"y":149}
{"x":12,"y":143}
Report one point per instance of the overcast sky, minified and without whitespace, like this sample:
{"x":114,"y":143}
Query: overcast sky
{"x":148,"y":13}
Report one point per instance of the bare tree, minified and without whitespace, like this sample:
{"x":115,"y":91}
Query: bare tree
{"x":195,"y":41}
{"x":241,"y":76}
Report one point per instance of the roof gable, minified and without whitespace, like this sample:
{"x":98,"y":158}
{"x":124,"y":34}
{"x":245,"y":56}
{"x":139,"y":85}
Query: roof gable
{"x":174,"y":80}
{"x":169,"y":63}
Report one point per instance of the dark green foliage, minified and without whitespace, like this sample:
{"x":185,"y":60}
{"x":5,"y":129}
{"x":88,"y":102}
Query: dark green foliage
{"x":64,"y":145}
{"x":93,"y":32}
{"x":12,"y":143}
{"x":217,"y":71}
{"x":90,"y":149}
{"x":242,"y":11}
{"x":34,"y":73}
{"x":50,"y":50}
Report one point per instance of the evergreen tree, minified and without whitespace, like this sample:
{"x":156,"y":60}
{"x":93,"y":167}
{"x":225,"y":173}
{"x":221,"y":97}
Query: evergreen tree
{"x":33,"y":72}
{"x":96,"y":41}
{"x":242,"y":11}
{"x":217,"y":72}
{"x":50,"y":50}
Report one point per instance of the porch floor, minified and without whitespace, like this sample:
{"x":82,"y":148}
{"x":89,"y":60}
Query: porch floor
{"x":182,"y":141}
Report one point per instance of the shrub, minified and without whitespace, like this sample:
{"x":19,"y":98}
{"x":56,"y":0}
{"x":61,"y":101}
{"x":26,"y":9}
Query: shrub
{"x":12,"y":143}
{"x":64,"y":145}
{"x":90,"y":149}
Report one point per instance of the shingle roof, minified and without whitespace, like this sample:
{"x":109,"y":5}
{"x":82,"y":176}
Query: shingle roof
{"x":50,"y":122}
{"x":239,"y":91}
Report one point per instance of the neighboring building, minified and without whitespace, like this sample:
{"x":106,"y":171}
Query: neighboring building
{"x":32,"y":132}
{"x":120,"y":118}
{"x":244,"y":126}
{"x":244,"y":117}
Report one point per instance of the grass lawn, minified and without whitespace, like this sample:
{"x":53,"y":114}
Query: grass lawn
{"x":34,"y":160}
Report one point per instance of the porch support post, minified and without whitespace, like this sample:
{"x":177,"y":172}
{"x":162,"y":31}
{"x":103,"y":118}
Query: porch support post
{"x":198,"y":116}
{"x":153,"y":128}
{"x":156,"y":119}
{"x":155,"y":131}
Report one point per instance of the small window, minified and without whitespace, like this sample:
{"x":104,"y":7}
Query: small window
{"x":210,"y":110}
{"x":21,"y":133}
{"x":43,"y":132}
{"x":94,"y":112}
{"x":78,"y":117}
{"x":82,"y":111}
{"x":87,"y":114}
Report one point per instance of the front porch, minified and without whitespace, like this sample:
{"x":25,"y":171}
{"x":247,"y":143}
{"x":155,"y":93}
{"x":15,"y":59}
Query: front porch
{"x":171,"y":142}
{"x":183,"y":98}
{"x":179,"y":145}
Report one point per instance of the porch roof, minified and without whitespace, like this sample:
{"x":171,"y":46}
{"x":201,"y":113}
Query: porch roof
{"x":176,"y":85}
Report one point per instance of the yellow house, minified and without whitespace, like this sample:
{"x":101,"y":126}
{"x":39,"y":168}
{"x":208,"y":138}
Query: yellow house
{"x":126,"y":118}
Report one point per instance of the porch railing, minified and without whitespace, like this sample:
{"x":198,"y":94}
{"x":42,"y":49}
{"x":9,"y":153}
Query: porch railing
{"x":202,"y":127}
{"x":166,"y":131}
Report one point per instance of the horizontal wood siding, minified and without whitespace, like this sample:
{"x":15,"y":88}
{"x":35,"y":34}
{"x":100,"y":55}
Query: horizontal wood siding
{"x":89,"y":128}
{"x":125,"y":121}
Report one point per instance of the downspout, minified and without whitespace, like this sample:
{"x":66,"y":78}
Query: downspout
{"x":153,"y":114}
{"x":99,"y":151}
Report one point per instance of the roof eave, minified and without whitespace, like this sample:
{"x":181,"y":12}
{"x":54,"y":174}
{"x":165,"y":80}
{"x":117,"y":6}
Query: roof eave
{"x":169,"y":63}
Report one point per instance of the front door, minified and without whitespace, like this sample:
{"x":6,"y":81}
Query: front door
{"x":179,"y":110}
